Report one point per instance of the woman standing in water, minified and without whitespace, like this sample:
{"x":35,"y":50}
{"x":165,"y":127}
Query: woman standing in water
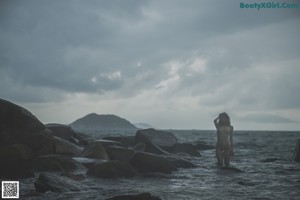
{"x":224,"y":147}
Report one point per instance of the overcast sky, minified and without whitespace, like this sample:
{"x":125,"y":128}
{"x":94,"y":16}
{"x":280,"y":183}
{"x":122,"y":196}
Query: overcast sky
{"x":168,"y":63}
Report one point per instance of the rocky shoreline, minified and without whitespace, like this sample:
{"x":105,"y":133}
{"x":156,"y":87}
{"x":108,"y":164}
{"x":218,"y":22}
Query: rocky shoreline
{"x":58,"y":159}
{"x":55,"y":158}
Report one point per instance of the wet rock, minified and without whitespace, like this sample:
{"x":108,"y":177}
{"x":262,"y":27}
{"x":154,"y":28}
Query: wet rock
{"x":67,"y":133}
{"x":95,"y":150}
{"x":42,"y":144}
{"x":155,"y":141}
{"x":51,"y":182}
{"x":19,"y":126}
{"x":65,"y":147}
{"x":76,"y":177}
{"x":154,"y":149}
{"x":155,"y":137}
{"x":296,"y":156}
{"x":16,"y":123}
{"x":180,"y":162}
{"x":55,"y":163}
{"x":112,"y":169}
{"x":87,"y":162}
{"x":201,"y":145}
{"x":147,"y":163}
{"x":120,"y":153}
{"x":107,"y":143}
{"x":126,"y":141}
{"x":14,"y":163}
{"x":141,"y":196}
{"x":139,"y":147}
{"x":22,"y":151}
{"x":185,"y":148}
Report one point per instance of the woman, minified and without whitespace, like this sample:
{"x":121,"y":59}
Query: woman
{"x":224,"y":147}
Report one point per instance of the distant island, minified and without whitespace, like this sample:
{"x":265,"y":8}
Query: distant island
{"x":95,"y":121}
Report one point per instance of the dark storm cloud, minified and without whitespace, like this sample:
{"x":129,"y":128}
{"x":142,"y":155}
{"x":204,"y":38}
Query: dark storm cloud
{"x":212,"y":52}
{"x":41,"y":40}
{"x":64,"y":44}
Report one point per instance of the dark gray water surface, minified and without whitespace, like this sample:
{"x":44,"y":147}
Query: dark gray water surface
{"x":264,"y":158}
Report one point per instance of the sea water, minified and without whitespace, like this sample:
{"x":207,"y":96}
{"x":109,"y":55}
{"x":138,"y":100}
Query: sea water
{"x":264,"y":157}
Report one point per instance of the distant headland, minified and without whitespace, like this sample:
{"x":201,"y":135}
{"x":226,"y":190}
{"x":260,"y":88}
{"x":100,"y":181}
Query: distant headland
{"x":95,"y":121}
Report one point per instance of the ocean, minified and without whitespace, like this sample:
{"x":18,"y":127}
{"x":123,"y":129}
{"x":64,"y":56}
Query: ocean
{"x":263,"y":156}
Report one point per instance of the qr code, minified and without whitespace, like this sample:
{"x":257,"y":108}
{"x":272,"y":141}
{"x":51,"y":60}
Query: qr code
{"x":10,"y":189}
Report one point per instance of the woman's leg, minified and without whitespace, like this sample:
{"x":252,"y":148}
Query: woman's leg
{"x":219,"y":154}
{"x":227,"y":155}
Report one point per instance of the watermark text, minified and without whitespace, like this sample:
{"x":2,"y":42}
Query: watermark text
{"x":269,"y":5}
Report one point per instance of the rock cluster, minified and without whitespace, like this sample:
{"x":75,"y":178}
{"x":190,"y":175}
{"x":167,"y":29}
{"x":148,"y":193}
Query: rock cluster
{"x":27,"y":146}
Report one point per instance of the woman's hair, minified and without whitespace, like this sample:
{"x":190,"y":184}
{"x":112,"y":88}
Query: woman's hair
{"x":225,"y":121}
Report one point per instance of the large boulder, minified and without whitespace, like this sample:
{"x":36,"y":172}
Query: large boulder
{"x":159,"y":138}
{"x":87,"y":162}
{"x":55,"y":163}
{"x":95,"y":150}
{"x":152,"y":148}
{"x":120,"y":153}
{"x":19,"y":126}
{"x":296,"y":156}
{"x":139,"y":147}
{"x":67,"y":133}
{"x":185,"y":148}
{"x":74,"y":176}
{"x":180,"y":162}
{"x":14,"y":162}
{"x":22,"y":151}
{"x":126,"y":141}
{"x":16,"y":123}
{"x":140,"y":196}
{"x":112,"y":169}
{"x":148,"y":163}
{"x":107,"y":143}
{"x":41,"y":144}
{"x":65,"y":147}
{"x":51,"y":182}
{"x":201,"y":145}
